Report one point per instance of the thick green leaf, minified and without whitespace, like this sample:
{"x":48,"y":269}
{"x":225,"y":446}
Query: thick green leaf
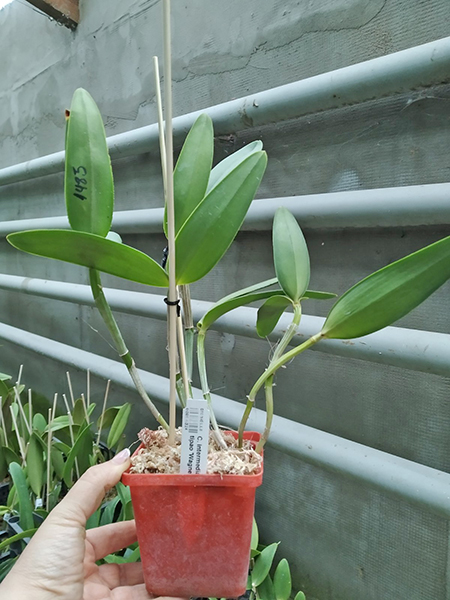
{"x":39,"y":423}
{"x":73,"y":454}
{"x":21,"y":487}
{"x":35,"y":464}
{"x":224,"y":306}
{"x":107,"y":516}
{"x":282,"y":581}
{"x":313,"y":295}
{"x":58,"y":463}
{"x":263,"y":563}
{"x":222,"y":169}
{"x":390,"y":293}
{"x":78,"y":412}
{"x":93,"y":251}
{"x":10,"y":455}
{"x":3,"y":463}
{"x":211,"y":228}
{"x":119,"y":424}
{"x":255,"y":536}
{"x":4,"y":390}
{"x":108,"y":417}
{"x":4,"y":377}
{"x":269,"y":314}
{"x":94,"y":520}
{"x":88,"y":182}
{"x":300,"y":596}
{"x":191,"y":174}
{"x":16,"y":538}
{"x":266,"y":590}
{"x":290,"y":255}
{"x":6,"y":566}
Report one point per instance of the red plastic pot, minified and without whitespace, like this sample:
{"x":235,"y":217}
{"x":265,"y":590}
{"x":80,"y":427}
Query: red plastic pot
{"x":194,"y":531}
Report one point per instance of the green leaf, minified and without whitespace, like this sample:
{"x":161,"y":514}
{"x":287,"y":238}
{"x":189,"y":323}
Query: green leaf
{"x":191,"y":174}
{"x":108,"y":511}
{"x":25,"y":506}
{"x":239,"y":298}
{"x":74,"y":452}
{"x":78,"y":412}
{"x":311,"y":294}
{"x":58,"y":464}
{"x":222,"y":169}
{"x":6,"y":566}
{"x":119,"y":424}
{"x":211,"y":228}
{"x":124,"y":493}
{"x":290,"y":255}
{"x":390,"y":293}
{"x":266,"y":589}
{"x":39,"y":423}
{"x":282,"y":581}
{"x":10,"y":455}
{"x":94,"y":520}
{"x":16,"y":538}
{"x":300,"y":596}
{"x":92,"y":251}
{"x":255,"y":536}
{"x":108,"y":417}
{"x":4,"y":377}
{"x":35,"y":464}
{"x":269,"y":314}
{"x":88,"y":182}
{"x":263,"y":563}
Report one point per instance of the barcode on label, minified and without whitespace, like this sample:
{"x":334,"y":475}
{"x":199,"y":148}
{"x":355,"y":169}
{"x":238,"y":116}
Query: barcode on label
{"x":195,"y":437}
{"x":193,"y":418}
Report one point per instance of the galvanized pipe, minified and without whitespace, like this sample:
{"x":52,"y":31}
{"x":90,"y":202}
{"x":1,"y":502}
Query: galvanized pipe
{"x":408,"y":206}
{"x":424,"y":351}
{"x":399,"y":72}
{"x":411,"y":482}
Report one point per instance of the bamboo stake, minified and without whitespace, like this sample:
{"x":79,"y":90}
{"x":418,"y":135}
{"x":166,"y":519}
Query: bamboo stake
{"x":72,"y":440}
{"x":105,"y":399}
{"x":49,"y":461}
{"x":72,"y":398}
{"x":83,"y":400}
{"x":22,"y":412}
{"x":19,"y":439}
{"x":19,"y":376}
{"x":162,"y":141}
{"x":30,"y":407}
{"x":172,"y":295}
{"x":2,"y":419}
{"x":88,"y":388}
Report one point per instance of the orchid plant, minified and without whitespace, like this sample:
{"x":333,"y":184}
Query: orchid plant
{"x":209,"y":208}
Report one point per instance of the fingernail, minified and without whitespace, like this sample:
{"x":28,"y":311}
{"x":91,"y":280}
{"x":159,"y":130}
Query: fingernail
{"x":122,"y":457}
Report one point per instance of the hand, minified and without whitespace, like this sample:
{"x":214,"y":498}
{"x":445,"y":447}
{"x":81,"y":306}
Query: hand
{"x":60,"y":561}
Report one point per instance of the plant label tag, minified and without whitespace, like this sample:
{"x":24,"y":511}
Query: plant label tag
{"x":195,"y":437}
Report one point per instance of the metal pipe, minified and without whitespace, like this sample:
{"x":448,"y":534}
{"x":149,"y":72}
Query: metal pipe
{"x":424,"y":351}
{"x":400,"y":478}
{"x":423,"y":65}
{"x":407,"y":206}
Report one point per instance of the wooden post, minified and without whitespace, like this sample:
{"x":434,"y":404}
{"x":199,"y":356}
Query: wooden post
{"x":66,"y":12}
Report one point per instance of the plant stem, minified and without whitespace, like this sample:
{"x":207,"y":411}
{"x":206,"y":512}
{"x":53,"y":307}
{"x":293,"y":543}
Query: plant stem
{"x":110,"y":322}
{"x":271,"y":370}
{"x":205,"y":387}
{"x":182,"y":351}
{"x":49,"y":460}
{"x":268,"y":390}
{"x":189,"y":331}
{"x":102,"y":416}
{"x":172,"y":295}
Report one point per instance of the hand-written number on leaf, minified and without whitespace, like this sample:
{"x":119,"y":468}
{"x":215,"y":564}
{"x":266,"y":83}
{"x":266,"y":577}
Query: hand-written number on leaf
{"x":80,"y":182}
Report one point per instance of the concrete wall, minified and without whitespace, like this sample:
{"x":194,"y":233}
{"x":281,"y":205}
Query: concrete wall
{"x":344,"y":541}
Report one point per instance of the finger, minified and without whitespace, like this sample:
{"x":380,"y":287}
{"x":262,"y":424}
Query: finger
{"x":86,"y":495}
{"x":118,"y":575}
{"x":111,"y":538}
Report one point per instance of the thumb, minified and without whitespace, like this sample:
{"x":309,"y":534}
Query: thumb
{"x":86,"y":495}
